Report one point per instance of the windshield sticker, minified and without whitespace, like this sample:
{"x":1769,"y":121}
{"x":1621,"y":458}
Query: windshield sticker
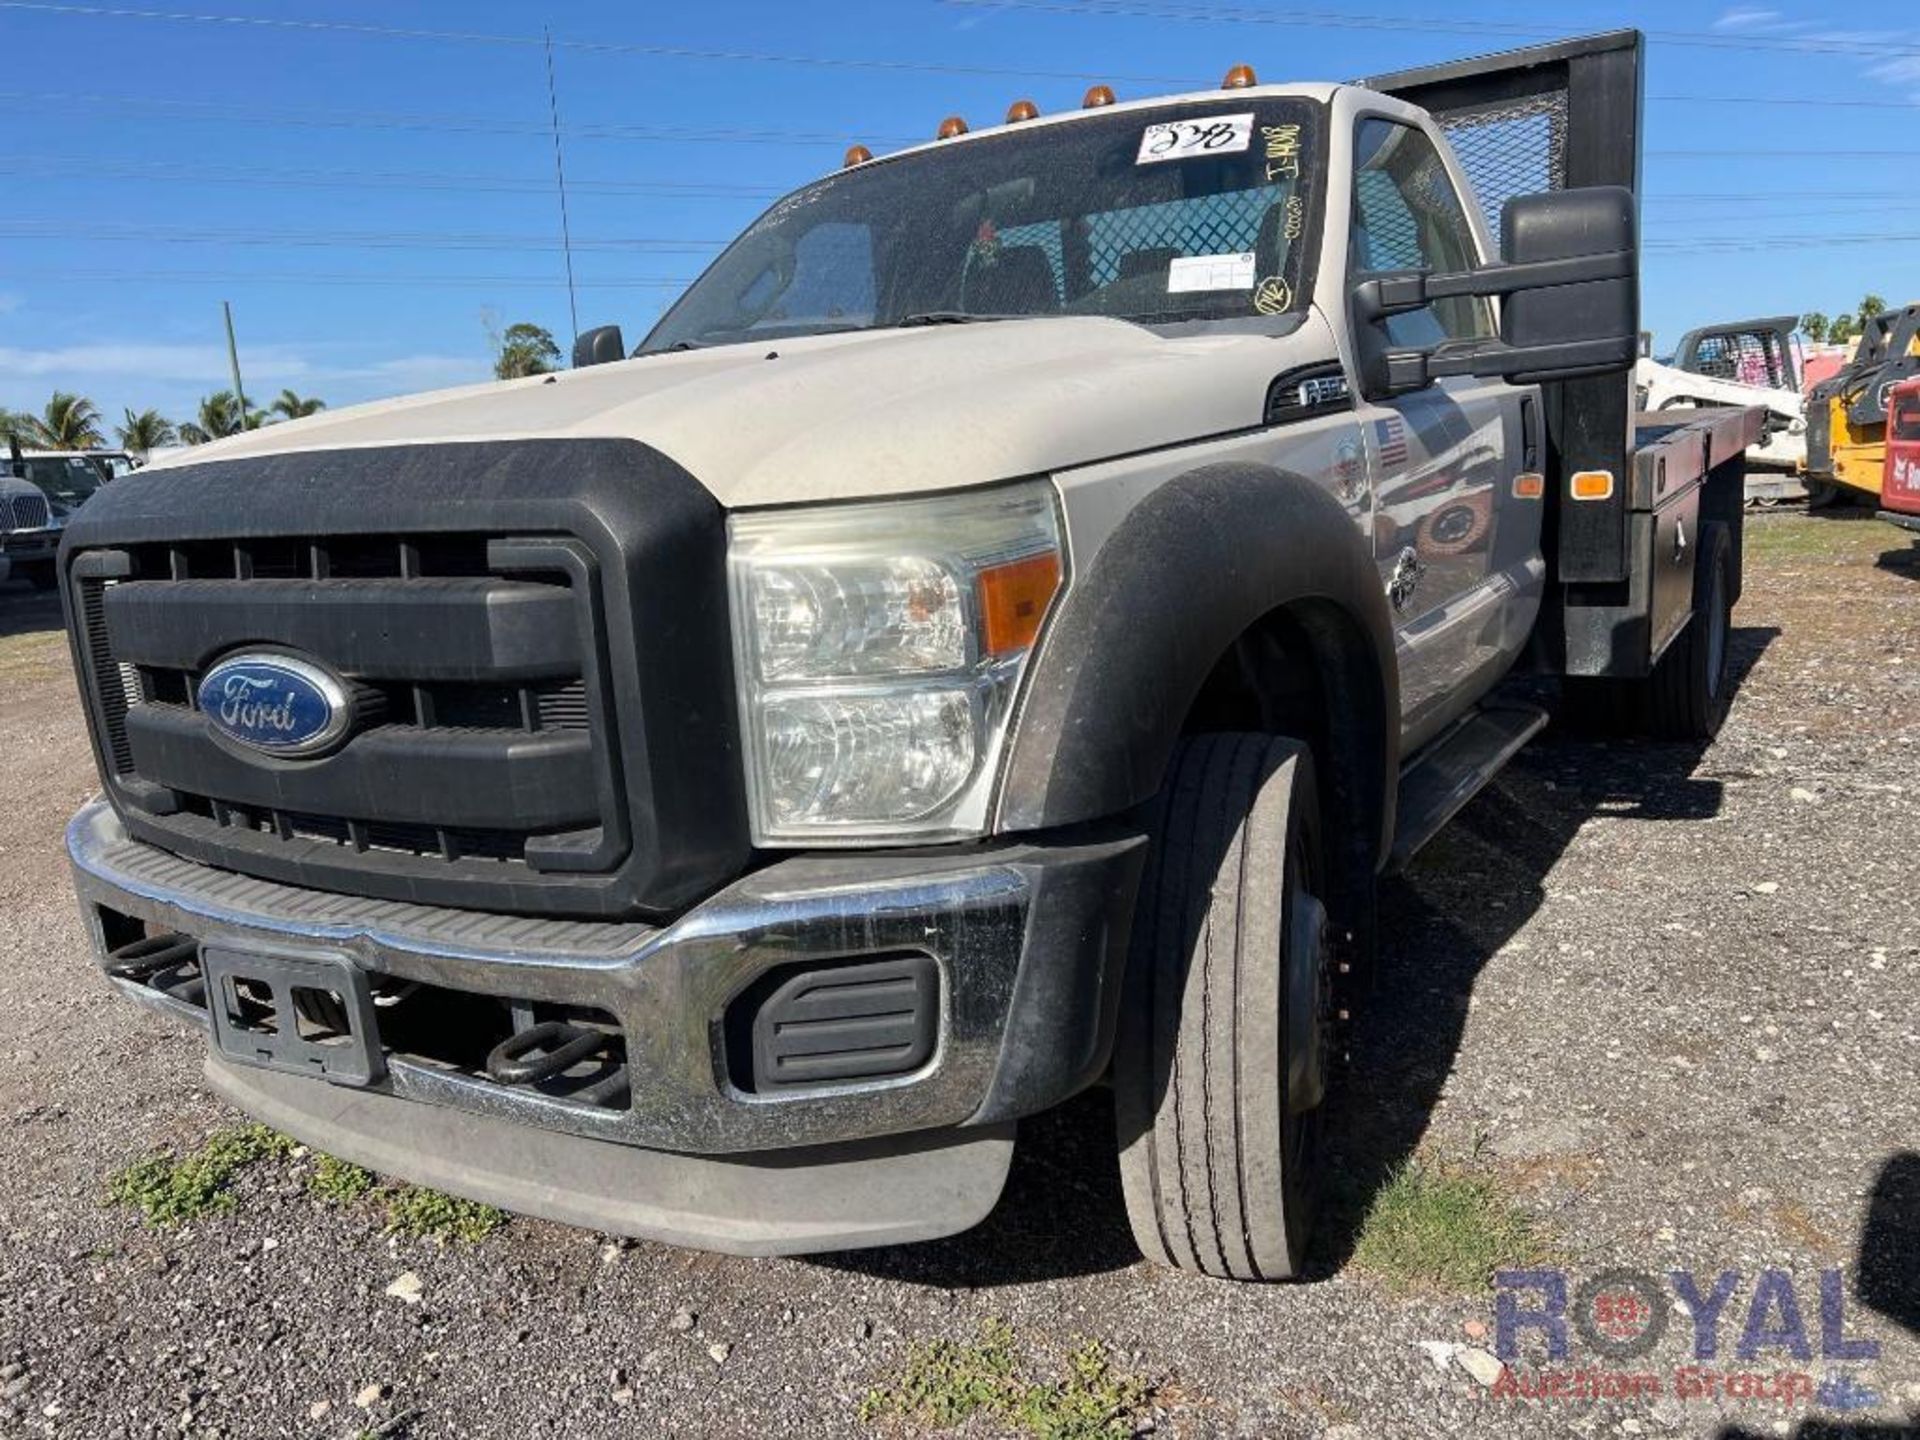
{"x":1296,"y":217}
{"x":1273,"y":296}
{"x":1188,"y":273}
{"x":1186,"y":139}
{"x":1282,"y":144}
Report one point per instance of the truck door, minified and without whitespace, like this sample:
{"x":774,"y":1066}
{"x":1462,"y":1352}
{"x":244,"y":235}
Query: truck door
{"x":1457,"y":540}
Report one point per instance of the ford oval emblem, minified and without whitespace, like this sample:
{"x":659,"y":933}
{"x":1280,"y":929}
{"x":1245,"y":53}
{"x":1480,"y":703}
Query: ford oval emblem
{"x":276,"y":704}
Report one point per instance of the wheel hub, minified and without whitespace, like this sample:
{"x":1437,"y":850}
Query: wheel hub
{"x":1309,"y":1003}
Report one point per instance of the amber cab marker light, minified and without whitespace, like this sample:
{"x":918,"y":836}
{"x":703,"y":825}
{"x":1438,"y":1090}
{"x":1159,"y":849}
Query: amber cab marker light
{"x":856,"y":155}
{"x":1592,"y":484}
{"x":1022,"y":110}
{"x":951,"y":126}
{"x":1014,"y":599}
{"x":1096,"y":96}
{"x":1240,"y":77}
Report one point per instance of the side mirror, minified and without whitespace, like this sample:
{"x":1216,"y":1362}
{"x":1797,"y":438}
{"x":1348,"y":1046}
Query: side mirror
{"x":598,"y":346}
{"x":1570,"y":272}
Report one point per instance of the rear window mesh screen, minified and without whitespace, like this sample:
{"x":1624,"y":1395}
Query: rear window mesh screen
{"x":1147,"y":238}
{"x":1509,"y":148}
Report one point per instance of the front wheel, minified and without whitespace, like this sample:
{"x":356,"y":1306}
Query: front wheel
{"x":1220,"y":1072}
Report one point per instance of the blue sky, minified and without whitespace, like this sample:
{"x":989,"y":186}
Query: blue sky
{"x":372,"y":203}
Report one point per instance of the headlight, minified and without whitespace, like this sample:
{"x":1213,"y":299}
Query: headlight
{"x":879,"y":647}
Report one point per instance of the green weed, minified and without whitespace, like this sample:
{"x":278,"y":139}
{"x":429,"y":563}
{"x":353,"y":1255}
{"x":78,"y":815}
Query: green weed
{"x":945,"y":1383}
{"x":171,"y":1190}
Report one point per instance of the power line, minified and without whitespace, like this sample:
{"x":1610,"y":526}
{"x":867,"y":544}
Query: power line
{"x":1775,"y":153}
{"x":1147,"y":9}
{"x":1325,"y":20}
{"x":66,"y":229}
{"x":189,"y":173}
{"x":463,"y":124}
{"x":309,"y":277}
{"x":608,"y":47}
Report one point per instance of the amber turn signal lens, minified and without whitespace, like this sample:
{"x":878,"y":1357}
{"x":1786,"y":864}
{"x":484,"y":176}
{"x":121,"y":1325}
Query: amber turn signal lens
{"x":1528,"y":485}
{"x":856,"y":155}
{"x":1014,"y":599}
{"x":1022,"y":110}
{"x":1097,"y":95}
{"x":1592,"y":485}
{"x":1240,"y":77}
{"x":951,"y":126}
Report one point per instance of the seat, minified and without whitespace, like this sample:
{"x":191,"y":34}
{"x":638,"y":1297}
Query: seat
{"x":1138,"y":263}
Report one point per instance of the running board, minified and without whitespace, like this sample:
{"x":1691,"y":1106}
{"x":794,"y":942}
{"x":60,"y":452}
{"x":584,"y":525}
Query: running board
{"x":1452,"y":770}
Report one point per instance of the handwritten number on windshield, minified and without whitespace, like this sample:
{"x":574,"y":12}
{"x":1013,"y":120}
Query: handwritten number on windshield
{"x":1191,"y":135}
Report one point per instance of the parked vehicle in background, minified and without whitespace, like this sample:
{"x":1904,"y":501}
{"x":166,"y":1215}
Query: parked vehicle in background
{"x":992,"y":635}
{"x":56,"y":484}
{"x":1847,"y":415}
{"x":28,"y":537}
{"x":111,"y":464}
{"x":1900,"y":493}
{"x":1744,"y":362}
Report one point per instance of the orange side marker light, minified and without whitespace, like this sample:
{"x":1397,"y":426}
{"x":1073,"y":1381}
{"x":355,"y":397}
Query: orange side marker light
{"x":1014,"y":599}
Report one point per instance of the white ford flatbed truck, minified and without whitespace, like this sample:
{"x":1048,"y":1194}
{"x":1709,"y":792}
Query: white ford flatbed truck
{"x":989,"y":638}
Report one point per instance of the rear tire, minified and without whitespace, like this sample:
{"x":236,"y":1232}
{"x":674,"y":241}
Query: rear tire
{"x":1687,"y":695}
{"x":1221,"y":1067}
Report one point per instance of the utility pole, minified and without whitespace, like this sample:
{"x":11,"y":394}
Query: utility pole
{"x":233,"y":364}
{"x":560,"y":174}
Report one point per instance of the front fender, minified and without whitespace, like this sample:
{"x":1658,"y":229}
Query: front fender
{"x":1190,"y":570}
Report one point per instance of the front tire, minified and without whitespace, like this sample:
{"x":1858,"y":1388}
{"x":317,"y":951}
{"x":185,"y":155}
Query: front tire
{"x":1220,"y":1072}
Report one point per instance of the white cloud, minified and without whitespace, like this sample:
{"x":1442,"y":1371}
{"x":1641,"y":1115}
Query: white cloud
{"x":1745,"y":19}
{"x":173,"y":377}
{"x":139,"y":359}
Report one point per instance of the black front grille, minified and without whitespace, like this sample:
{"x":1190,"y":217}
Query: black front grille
{"x":413,"y":624}
{"x":534,"y":636}
{"x":21,"y":511}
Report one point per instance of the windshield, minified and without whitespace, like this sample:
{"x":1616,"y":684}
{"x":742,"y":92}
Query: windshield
{"x":1197,"y":211}
{"x":64,"y":481}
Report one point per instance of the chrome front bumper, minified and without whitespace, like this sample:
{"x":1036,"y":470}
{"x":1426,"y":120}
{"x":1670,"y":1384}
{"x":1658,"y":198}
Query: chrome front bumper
{"x":1029,"y":940}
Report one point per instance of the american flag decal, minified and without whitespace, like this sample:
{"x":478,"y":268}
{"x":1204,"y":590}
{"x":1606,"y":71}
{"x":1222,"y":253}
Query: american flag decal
{"x":1390,"y":437}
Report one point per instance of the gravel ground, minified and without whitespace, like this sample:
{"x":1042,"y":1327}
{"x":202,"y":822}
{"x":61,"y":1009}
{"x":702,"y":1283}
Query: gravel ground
{"x":1670,"y":1000}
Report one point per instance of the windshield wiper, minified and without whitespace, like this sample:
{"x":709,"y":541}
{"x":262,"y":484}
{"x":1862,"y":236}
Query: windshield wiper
{"x":949,"y":317}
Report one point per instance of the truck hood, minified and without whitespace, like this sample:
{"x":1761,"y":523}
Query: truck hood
{"x":878,"y":412}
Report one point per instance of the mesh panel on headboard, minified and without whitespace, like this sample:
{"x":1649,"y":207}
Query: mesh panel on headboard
{"x":1509,"y":148}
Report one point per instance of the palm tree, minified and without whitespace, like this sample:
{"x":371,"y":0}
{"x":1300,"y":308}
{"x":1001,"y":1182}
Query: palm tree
{"x":13,"y":426}
{"x":295,"y":407}
{"x":145,"y":432}
{"x":220,"y":417}
{"x":70,"y":422}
